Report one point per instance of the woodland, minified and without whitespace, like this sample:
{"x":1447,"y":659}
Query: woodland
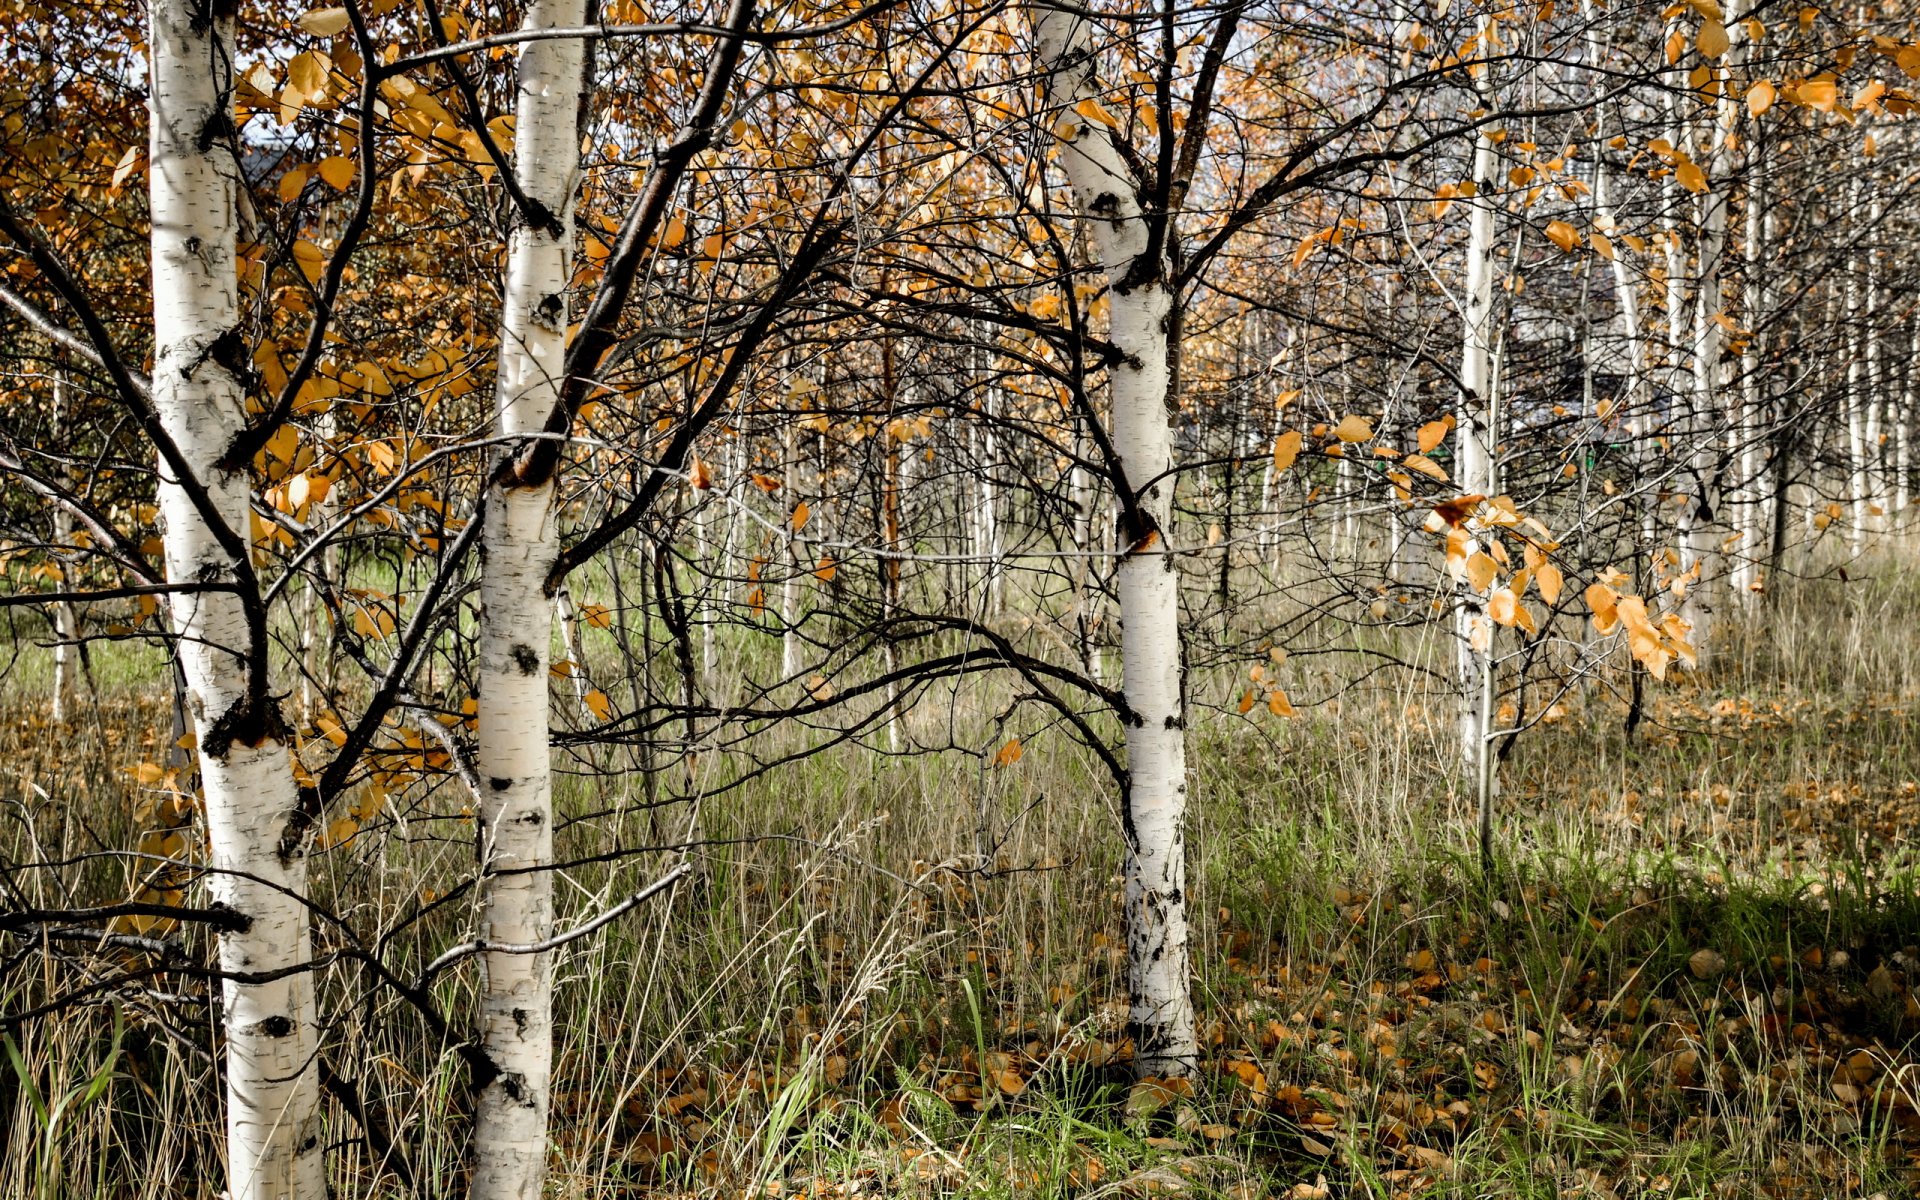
{"x":953,"y":598}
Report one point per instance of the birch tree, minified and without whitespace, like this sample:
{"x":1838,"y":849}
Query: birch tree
{"x":1132,"y":252}
{"x":256,"y":830}
{"x":519,"y":547}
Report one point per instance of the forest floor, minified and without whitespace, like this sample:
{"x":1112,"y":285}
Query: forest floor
{"x":1690,"y":970}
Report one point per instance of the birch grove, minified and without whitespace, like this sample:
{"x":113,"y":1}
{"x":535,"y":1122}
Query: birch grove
{"x":855,"y":573}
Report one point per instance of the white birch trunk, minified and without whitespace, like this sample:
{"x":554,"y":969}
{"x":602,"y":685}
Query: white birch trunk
{"x":1875,"y":378}
{"x":66,"y":619}
{"x":1750,"y":513}
{"x":1858,"y":451}
{"x":520,"y":544}
{"x":791,"y":647}
{"x":1903,"y":427}
{"x":1141,"y":308}
{"x":275,"y":1148}
{"x":989,"y":513}
{"x":1475,"y":438}
{"x":1700,"y":545}
{"x":1085,"y":600}
{"x":567,"y":618}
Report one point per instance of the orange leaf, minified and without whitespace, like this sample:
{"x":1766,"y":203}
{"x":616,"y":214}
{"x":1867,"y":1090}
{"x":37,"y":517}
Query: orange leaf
{"x":800,"y":514}
{"x":1286,"y":448}
{"x":1009,"y":753}
{"x":1432,"y":434}
{"x":1353,"y":429}
{"x":1480,"y":571}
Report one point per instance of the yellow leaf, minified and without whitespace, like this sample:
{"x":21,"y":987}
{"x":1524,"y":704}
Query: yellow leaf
{"x":1480,"y":571}
{"x":1760,"y":98}
{"x":1503,"y":606}
{"x":1353,"y":429}
{"x":1009,"y":753}
{"x":1602,"y":245}
{"x":1818,"y":94}
{"x":1091,"y":110}
{"x":1278,"y":705}
{"x":337,"y":170}
{"x":340,"y":832}
{"x":149,"y":773}
{"x":1712,"y":42}
{"x":292,"y":185}
{"x":1691,"y":177}
{"x":1562,"y":235}
{"x":1432,"y":434}
{"x":597,"y":615}
{"x":323,"y":22}
{"x":309,"y":258}
{"x":1286,"y":448}
{"x":307,"y":73}
{"x":1424,"y":465}
{"x":599,"y":705}
{"x":128,"y":161}
{"x":1549,"y":580}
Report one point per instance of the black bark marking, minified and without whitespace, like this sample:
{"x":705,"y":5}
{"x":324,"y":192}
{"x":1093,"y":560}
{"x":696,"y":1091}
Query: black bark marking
{"x":525,"y":658}
{"x":217,"y":129}
{"x":229,"y":919}
{"x":515,"y":1086}
{"x":520,"y":1020}
{"x":499,"y":785}
{"x":1143,"y":271}
{"x":277,"y":1026}
{"x":249,"y":723}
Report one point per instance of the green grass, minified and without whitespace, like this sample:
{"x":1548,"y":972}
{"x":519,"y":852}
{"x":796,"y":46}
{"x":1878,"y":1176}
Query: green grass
{"x":912,"y":989}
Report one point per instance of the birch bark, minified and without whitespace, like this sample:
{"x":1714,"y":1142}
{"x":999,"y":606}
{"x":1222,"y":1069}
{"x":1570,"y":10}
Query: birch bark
{"x":258,"y":856}
{"x":1474,"y":441}
{"x":521,"y":544}
{"x":1141,"y":316}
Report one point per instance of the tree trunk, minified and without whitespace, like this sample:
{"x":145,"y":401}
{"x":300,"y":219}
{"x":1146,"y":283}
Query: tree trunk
{"x":1141,"y":307}
{"x":275,"y":1150}
{"x":66,"y":619}
{"x":1699,"y":550}
{"x":1475,"y":439}
{"x":520,"y":543}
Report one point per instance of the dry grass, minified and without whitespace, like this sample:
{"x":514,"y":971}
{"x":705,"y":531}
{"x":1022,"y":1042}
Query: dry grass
{"x":1688,"y":974}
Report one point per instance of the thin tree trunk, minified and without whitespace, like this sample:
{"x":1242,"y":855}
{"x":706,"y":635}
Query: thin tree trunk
{"x":66,"y":619}
{"x":1475,"y":438}
{"x":1699,"y":550}
{"x":521,"y":544}
{"x":1141,"y":312}
{"x":275,"y":1150}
